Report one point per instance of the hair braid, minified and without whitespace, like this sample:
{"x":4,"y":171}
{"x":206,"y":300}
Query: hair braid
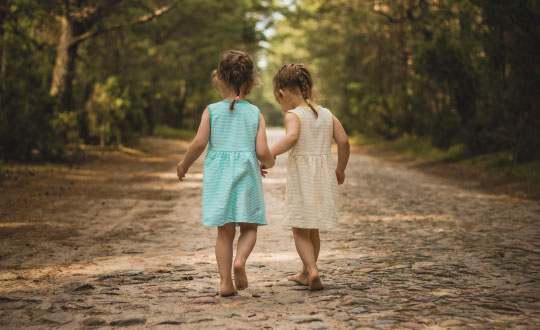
{"x":305,"y":87}
{"x":295,"y":76}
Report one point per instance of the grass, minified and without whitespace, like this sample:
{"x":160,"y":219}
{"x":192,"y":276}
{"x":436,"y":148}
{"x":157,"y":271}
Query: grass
{"x":31,"y":168}
{"x":168,"y":132}
{"x":422,"y":148}
{"x":503,"y":162}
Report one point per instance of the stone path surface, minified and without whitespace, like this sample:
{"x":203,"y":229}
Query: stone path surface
{"x":123,"y":246}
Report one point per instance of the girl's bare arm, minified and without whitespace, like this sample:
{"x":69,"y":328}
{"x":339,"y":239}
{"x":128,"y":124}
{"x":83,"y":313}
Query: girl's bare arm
{"x":344,"y":150}
{"x":196,"y":147}
{"x":261,"y":145}
{"x":292,"y":128}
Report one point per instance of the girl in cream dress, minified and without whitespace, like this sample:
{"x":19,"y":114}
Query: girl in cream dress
{"x":312,"y":176}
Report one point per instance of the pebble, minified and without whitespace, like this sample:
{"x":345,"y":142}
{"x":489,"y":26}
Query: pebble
{"x":154,"y":240}
{"x":128,"y":322}
{"x":128,"y":273}
{"x":306,"y":318}
{"x":205,"y":300}
{"x":133,"y":251}
{"x":359,"y":286}
{"x":7,"y":299}
{"x":358,"y":310}
{"x":93,"y":322}
{"x":60,"y":318}
{"x":451,"y":323}
{"x":46,"y":306}
{"x":143,"y":277}
{"x":199,"y":320}
{"x":172,"y":322}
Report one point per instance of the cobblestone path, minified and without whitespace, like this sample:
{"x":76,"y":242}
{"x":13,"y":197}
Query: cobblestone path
{"x":411,"y":251}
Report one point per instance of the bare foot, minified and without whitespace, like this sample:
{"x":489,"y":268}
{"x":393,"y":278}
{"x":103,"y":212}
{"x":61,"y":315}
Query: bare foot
{"x":315,"y":282}
{"x":240,"y":277}
{"x":300,"y":278}
{"x":227,"y":289}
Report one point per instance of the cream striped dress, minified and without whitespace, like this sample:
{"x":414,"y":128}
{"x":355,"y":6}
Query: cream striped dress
{"x":312,"y":196}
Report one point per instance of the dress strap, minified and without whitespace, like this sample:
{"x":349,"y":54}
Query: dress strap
{"x":297,"y":115}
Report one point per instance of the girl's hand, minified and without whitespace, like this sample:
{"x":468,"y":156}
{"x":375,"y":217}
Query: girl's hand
{"x":340,"y":175}
{"x":181,"y":171}
{"x":263,"y":168}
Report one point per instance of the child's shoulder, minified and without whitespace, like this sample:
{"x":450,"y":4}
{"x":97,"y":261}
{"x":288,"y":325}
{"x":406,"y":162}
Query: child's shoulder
{"x":239,"y":104}
{"x":325,"y":111}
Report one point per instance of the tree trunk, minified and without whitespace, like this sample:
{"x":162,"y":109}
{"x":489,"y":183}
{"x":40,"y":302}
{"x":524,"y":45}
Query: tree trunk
{"x":3,"y":61}
{"x":180,"y":104}
{"x":61,"y":64}
{"x":64,"y":66}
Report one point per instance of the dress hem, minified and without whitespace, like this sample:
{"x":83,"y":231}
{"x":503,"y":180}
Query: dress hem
{"x":237,"y":223}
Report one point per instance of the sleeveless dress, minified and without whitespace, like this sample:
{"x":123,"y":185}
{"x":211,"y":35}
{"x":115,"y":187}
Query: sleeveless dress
{"x":232,"y":184}
{"x":312,"y":196}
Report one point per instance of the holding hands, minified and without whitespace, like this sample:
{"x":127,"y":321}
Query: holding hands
{"x":263,"y":169}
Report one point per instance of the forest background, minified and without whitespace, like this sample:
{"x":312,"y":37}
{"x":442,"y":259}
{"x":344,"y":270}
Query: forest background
{"x":459,"y":78}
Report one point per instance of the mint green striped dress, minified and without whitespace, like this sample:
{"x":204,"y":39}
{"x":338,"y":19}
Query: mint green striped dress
{"x":232,"y":184}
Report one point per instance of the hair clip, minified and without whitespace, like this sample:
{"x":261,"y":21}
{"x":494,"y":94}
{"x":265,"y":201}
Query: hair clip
{"x":237,"y":98}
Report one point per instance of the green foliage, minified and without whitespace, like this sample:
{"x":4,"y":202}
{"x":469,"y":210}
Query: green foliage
{"x":127,"y":79}
{"x":457,"y":73}
{"x":107,"y":109}
{"x":168,"y":132}
{"x":423,"y":148}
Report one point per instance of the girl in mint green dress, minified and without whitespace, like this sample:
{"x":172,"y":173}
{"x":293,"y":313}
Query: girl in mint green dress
{"x":232,"y":188}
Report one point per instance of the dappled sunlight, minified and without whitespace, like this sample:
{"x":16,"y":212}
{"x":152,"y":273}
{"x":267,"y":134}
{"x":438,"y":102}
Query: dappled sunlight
{"x":193,"y":176}
{"x":153,"y":159}
{"x":351,"y":218}
{"x":14,"y":281}
{"x":162,"y":175}
{"x":502,"y":197}
{"x":34,"y":223}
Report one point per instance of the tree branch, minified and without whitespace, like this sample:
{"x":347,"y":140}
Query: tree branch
{"x":387,"y":16}
{"x":143,"y":19}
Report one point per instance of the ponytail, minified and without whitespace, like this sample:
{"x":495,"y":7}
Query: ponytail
{"x":237,"y":98}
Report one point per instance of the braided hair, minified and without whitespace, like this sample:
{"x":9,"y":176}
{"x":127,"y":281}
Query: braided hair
{"x":295,"y":75}
{"x":236,"y":70}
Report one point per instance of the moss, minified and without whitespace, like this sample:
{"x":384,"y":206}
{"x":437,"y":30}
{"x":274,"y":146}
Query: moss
{"x":422,"y":148}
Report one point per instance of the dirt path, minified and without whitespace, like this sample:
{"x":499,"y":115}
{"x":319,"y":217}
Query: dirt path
{"x":119,"y":242}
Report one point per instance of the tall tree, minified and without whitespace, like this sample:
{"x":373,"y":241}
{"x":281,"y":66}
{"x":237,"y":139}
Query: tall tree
{"x":80,"y":20}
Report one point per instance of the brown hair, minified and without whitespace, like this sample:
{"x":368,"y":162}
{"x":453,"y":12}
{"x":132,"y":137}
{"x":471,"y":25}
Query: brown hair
{"x":295,"y":75}
{"x":235,"y":69}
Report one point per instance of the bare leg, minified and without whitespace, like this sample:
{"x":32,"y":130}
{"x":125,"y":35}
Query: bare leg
{"x":303,"y":276}
{"x":316,"y":241}
{"x":224,"y":254}
{"x":246,"y":242}
{"x":307,"y":254}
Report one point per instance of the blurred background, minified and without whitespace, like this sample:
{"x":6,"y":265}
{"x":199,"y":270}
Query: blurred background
{"x":447,"y":79}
